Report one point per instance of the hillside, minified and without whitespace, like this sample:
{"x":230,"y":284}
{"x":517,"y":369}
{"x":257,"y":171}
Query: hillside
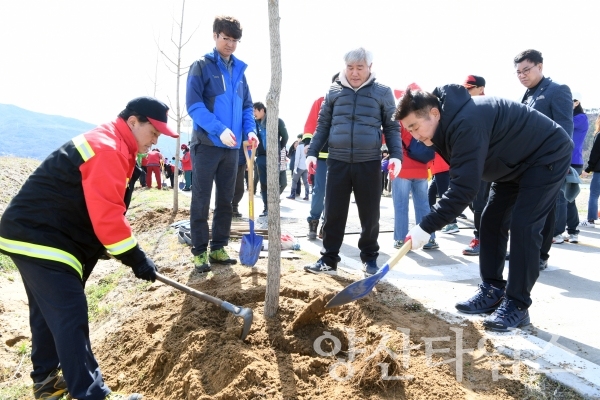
{"x":25,"y":133}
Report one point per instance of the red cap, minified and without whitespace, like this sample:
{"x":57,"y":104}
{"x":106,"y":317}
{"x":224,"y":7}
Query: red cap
{"x":155,"y":110}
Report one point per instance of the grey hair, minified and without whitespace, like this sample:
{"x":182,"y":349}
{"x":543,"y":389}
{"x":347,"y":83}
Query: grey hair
{"x":358,"y":55}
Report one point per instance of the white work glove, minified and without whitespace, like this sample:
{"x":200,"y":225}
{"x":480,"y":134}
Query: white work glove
{"x":394,"y":167}
{"x":311,"y":164}
{"x":253,"y":140}
{"x":418,"y":236}
{"x":228,"y":138}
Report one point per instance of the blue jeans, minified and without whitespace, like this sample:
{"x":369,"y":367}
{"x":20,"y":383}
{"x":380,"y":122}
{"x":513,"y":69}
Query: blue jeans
{"x":401,"y":189}
{"x":594,"y":194}
{"x":218,"y":165}
{"x":318,"y":196}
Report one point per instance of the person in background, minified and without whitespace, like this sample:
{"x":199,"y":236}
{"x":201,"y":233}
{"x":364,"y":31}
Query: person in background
{"x":67,"y":215}
{"x":186,"y":165}
{"x":353,"y":114}
{"x":282,"y":170}
{"x":219,"y":103}
{"x":168,"y":171}
{"x":300,"y":169}
{"x":593,"y":166}
{"x":154,"y":162}
{"x":260,"y":115}
{"x":554,"y":100}
{"x":320,"y":174}
{"x":142,"y":162}
{"x":292,"y":157}
{"x":571,"y":217}
{"x":385,"y":161}
{"x":412,"y":179}
{"x":475,"y":85}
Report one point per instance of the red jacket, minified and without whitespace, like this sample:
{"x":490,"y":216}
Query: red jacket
{"x":154,"y":158}
{"x":72,"y":208}
{"x":186,"y":161}
{"x":411,"y":169}
{"x":439,"y":165}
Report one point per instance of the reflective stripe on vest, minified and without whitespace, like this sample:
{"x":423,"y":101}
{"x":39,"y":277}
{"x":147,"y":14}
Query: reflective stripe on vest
{"x":122,"y":246}
{"x":42,"y":252}
{"x":83,"y":147}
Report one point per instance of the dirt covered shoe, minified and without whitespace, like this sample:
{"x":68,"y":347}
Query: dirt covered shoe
{"x":487,"y":299}
{"x":51,"y":388}
{"x":220,"y":256}
{"x":507,"y":316}
{"x":321,"y":268}
{"x":118,"y":396}
{"x":473,"y":248}
{"x":201,"y":262}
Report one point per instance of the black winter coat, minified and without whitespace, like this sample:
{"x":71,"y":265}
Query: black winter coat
{"x":351,"y":122}
{"x":491,"y":139}
{"x":594,"y":160}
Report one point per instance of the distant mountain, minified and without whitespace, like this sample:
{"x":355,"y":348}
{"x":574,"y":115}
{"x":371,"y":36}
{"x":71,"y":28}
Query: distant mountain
{"x":25,"y":133}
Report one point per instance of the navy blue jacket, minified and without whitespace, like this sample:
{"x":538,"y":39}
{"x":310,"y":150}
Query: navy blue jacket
{"x":555,"y":102}
{"x":491,"y":139}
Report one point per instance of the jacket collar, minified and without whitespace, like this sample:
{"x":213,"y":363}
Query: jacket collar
{"x":124,"y":132}
{"x":344,"y":81}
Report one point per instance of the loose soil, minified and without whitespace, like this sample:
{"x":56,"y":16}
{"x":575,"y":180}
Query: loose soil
{"x":160,"y":342}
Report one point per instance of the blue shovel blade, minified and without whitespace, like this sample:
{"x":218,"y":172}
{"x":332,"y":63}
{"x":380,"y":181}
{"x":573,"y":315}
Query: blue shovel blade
{"x":250,"y":249}
{"x":358,"y":290}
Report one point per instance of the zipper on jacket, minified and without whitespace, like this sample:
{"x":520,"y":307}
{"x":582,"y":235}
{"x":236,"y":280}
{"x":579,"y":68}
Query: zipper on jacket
{"x":223,"y":78}
{"x":352,"y":129}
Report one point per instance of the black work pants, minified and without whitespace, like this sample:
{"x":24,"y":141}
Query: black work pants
{"x":58,"y":316}
{"x":531,"y":199}
{"x":239,"y":187}
{"x":479,"y":204}
{"x":365,"y":180}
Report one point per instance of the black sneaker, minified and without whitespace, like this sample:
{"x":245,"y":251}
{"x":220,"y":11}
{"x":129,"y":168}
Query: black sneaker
{"x":51,"y":388}
{"x":321,"y":268}
{"x":506,"y":317}
{"x":543,"y":264}
{"x":487,"y":299}
{"x":370,"y":267}
{"x":237,"y":214}
{"x":264,"y":213}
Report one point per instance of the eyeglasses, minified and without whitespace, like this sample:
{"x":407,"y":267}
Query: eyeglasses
{"x":525,"y":71}
{"x":230,"y":40}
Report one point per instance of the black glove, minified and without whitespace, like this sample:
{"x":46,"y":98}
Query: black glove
{"x":145,"y":270}
{"x":142,"y":266}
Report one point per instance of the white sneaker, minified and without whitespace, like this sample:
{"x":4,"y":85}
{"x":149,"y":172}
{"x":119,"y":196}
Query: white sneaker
{"x":586,"y":224}
{"x":558,"y":239}
{"x":574,"y":238}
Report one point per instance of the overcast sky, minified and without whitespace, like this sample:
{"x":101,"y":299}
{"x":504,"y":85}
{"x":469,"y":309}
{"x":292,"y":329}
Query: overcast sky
{"x":85,"y":59}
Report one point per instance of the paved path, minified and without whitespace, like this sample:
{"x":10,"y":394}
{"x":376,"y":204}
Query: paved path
{"x":564,"y":337}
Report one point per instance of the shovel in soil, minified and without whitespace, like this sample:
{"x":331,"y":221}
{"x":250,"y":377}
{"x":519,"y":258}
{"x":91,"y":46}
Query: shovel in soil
{"x":360,"y":289}
{"x":245,"y":313}
{"x":251,"y":242}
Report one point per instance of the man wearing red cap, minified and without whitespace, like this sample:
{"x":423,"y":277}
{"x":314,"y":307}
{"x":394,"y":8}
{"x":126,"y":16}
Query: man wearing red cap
{"x":69,"y":213}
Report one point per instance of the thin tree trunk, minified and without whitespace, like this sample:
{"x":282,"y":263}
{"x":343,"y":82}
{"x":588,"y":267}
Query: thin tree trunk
{"x":274,"y":265}
{"x":179,"y":118}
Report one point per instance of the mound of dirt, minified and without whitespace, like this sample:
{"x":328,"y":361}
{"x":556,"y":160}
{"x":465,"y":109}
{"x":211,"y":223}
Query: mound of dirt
{"x":386,"y":346}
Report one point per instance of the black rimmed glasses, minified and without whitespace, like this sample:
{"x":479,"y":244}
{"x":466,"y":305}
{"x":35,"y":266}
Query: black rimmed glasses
{"x":525,"y":71}
{"x":230,"y":40}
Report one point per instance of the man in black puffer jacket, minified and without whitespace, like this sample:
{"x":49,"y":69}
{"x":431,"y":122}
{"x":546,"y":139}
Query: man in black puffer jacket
{"x":353,"y":116}
{"x":525,"y":154}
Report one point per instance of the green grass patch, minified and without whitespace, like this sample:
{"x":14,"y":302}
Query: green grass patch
{"x":19,"y":390}
{"x":6,"y":264}
{"x":97,"y":292}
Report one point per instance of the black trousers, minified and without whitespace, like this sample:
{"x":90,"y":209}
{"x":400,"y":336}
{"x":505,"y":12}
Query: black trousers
{"x":532,"y":200}
{"x":239,"y":187}
{"x":58,"y":316}
{"x":479,"y":204}
{"x":342,"y":179}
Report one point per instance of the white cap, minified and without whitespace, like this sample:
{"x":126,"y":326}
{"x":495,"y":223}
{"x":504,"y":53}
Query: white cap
{"x":576,"y":96}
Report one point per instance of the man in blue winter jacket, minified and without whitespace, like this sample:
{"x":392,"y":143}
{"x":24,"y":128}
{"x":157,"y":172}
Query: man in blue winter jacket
{"x":218,"y":100}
